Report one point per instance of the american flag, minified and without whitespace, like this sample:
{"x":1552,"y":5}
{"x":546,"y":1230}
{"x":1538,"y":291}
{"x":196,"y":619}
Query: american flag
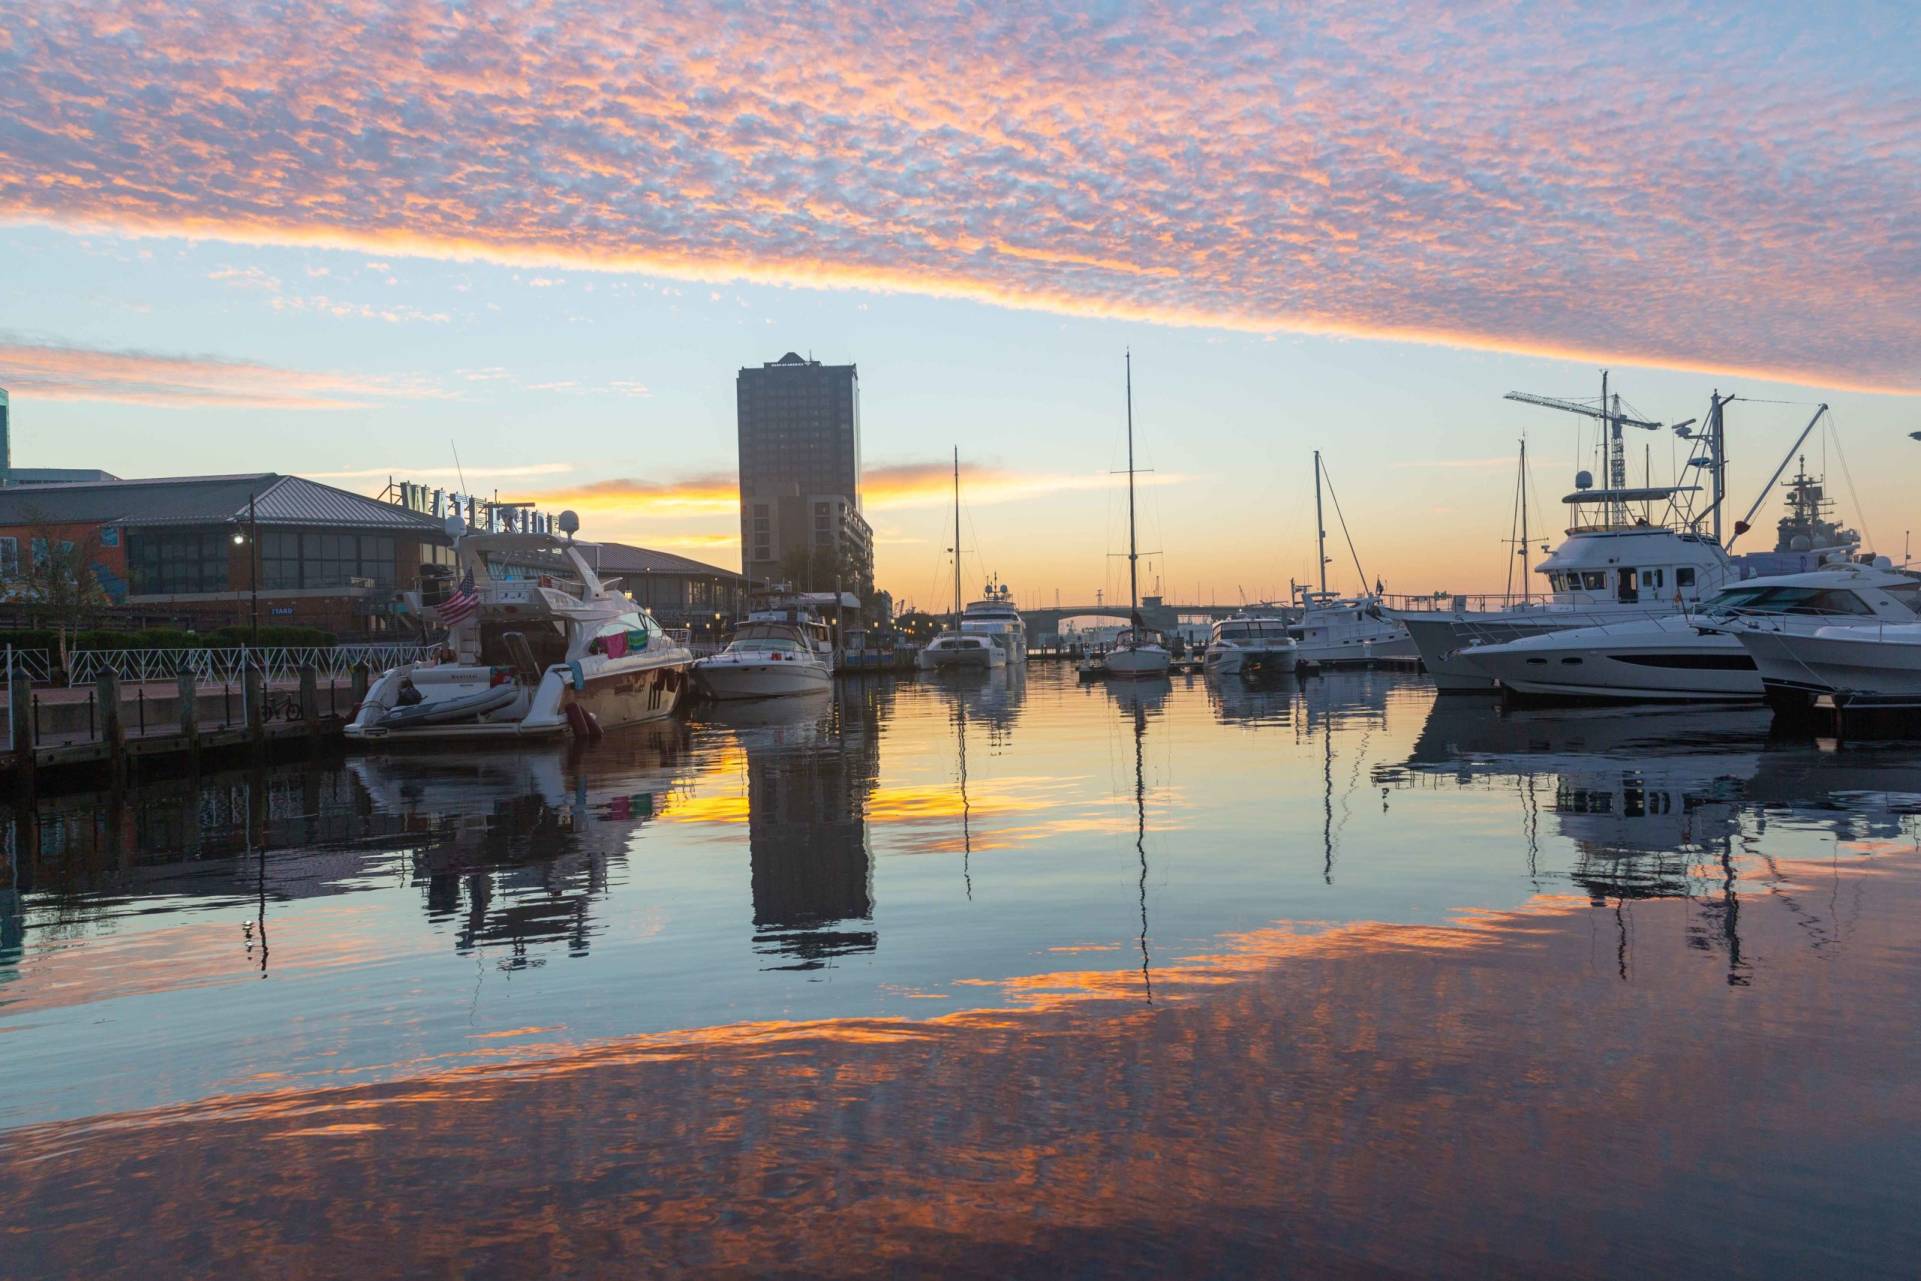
{"x":460,"y":606}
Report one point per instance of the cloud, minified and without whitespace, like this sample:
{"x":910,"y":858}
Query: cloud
{"x":280,"y":299}
{"x":891,"y":486}
{"x":1658,"y":184}
{"x":715,"y":493}
{"x":55,"y":371}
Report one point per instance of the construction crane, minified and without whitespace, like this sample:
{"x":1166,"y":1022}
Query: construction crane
{"x":1609,"y":412}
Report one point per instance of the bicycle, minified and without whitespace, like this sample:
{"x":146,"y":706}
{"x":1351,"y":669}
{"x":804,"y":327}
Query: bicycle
{"x":283,"y":706}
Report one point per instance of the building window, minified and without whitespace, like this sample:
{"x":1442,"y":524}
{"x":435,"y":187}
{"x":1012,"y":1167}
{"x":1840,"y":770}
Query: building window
{"x":173,"y":564}
{"x":279,"y":561}
{"x":9,"y":557}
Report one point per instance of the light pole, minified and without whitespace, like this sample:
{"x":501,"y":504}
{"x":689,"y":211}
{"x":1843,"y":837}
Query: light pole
{"x":253,"y":573}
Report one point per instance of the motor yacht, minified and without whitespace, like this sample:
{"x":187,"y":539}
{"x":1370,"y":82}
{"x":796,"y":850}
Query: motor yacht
{"x":1856,"y":664}
{"x":1338,"y":630}
{"x":995,"y":617}
{"x":1247,"y":645}
{"x":537,"y":644}
{"x":1630,"y":553}
{"x":1691,"y":657}
{"x":779,"y":651}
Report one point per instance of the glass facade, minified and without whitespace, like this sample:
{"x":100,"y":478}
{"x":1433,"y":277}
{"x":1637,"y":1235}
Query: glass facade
{"x":177,"y":562}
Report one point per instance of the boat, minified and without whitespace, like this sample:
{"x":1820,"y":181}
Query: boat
{"x":1856,"y":666}
{"x":1690,"y":657}
{"x":1248,"y":645}
{"x":995,"y":617}
{"x":1139,"y":651}
{"x":780,"y":650}
{"x":538,"y":644}
{"x":1617,"y":564}
{"x":1343,"y":631}
{"x":957,"y":647}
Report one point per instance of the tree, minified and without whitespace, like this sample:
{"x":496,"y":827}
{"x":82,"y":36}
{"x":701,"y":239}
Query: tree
{"x":55,"y":577}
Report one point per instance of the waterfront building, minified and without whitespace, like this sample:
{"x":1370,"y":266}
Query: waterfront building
{"x":203,"y":550}
{"x":800,"y":510}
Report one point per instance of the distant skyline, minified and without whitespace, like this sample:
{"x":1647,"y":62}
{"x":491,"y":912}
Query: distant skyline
{"x":332,"y":239}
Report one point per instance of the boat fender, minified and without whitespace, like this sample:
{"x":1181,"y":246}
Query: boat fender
{"x":579,"y":674}
{"x":577,"y":721}
{"x":593,"y":724}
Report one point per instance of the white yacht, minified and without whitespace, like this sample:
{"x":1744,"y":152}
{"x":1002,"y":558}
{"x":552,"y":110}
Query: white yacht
{"x":537,"y":644}
{"x":1338,"y":630}
{"x":780,"y":650}
{"x":1687,"y":657}
{"x":1139,"y":651}
{"x":995,"y":617}
{"x":957,"y":646}
{"x":1245,"y":644}
{"x":1629,"y":553}
{"x":1857,"y":664}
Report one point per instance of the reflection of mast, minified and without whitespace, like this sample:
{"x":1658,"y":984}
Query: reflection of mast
{"x":967,"y":836}
{"x":1140,"y":837}
{"x":1327,"y":804}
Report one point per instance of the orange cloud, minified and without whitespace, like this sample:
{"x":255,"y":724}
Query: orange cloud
{"x":1477,"y":178}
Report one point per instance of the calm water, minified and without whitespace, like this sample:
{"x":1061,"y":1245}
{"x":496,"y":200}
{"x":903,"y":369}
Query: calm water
{"x":986,"y":977}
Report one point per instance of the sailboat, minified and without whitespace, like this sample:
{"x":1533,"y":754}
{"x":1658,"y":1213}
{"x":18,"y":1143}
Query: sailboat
{"x":955,"y":647}
{"x":1138,"y":651}
{"x":1338,"y":630}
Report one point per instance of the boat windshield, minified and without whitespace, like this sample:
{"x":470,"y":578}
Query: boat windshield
{"x":764,"y":638}
{"x":1256,"y":629}
{"x":1786,"y":600}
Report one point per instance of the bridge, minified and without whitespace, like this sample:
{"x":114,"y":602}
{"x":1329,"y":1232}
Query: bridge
{"x":1155,"y":613}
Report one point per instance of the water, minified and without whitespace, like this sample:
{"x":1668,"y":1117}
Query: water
{"x":983,"y":976}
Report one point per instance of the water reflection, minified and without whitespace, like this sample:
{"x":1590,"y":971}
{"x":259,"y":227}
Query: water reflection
{"x":1176,"y":958}
{"x":811,"y":765}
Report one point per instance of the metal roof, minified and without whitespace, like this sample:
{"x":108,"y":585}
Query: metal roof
{"x":623,"y":558}
{"x":206,"y":500}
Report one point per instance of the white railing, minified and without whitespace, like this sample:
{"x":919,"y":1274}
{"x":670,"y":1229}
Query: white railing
{"x":222,"y":666}
{"x":34,"y":664}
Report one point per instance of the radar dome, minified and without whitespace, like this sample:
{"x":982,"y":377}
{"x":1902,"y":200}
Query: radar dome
{"x":455,"y":526}
{"x":1584,"y":480}
{"x":1800,"y":543}
{"x":569,"y":523}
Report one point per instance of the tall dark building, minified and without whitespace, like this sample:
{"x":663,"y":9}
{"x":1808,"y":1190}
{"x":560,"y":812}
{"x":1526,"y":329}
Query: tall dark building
{"x":800,"y":516}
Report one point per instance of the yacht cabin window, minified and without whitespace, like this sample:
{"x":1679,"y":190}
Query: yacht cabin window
{"x":1684,"y":576}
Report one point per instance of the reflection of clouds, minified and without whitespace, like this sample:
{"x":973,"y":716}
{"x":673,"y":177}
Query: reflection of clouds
{"x":1489,"y":176}
{"x":1479,"y":1080}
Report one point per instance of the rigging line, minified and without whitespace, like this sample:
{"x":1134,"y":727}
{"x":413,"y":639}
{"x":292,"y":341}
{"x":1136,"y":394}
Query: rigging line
{"x":1344,"y":530}
{"x":1860,"y":512}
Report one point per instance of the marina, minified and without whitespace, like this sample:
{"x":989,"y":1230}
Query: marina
{"x":609,"y":673}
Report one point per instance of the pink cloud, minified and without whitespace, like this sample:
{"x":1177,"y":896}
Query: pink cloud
{"x":52,"y":371}
{"x":1659,"y":183}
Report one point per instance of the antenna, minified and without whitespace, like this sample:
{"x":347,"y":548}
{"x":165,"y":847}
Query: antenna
{"x":458,"y":470}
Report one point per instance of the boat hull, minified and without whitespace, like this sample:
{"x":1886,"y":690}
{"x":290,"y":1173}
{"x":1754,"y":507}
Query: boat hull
{"x":1865,"y":669}
{"x":621,"y":691}
{"x":1691,"y":674}
{"x":728,"y":681}
{"x":1356,"y":653}
{"x":1135,"y":664}
{"x":1441,"y":639}
{"x":1247,"y":660}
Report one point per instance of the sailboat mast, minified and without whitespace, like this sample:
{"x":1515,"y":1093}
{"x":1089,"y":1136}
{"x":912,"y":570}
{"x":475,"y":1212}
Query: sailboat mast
{"x":1133,"y":556}
{"x":957,"y":592}
{"x":1523,"y":552}
{"x":1320,"y":525}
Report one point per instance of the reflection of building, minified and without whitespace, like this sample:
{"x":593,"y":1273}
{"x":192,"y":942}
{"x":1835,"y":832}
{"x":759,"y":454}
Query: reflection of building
{"x":807,"y":832}
{"x":799,"y":428}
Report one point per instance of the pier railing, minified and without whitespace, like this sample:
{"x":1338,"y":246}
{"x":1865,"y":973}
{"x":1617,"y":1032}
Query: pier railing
{"x":224,"y":666}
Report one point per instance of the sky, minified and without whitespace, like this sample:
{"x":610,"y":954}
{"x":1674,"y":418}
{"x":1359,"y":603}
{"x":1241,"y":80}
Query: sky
{"x":350,"y":239}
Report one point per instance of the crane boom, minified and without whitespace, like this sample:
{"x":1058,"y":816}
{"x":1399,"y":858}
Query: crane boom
{"x":1576,"y":407}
